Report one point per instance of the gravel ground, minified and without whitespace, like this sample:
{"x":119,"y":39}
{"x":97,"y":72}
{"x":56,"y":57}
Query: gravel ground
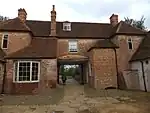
{"x":78,"y":99}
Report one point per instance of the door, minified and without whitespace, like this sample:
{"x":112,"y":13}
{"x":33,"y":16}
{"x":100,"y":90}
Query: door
{"x":147,"y":78}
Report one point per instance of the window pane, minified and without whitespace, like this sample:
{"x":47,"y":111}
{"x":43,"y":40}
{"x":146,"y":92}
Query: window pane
{"x":16,"y":67}
{"x":20,"y":69}
{"x":34,"y":71}
{"x":28,"y":64}
{"x":73,"y":46}
{"x":5,"y":37}
{"x":130,"y":45}
{"x":24,"y":71}
{"x":5,"y":43}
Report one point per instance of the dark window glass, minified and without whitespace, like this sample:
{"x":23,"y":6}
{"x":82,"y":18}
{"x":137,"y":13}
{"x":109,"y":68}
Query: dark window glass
{"x":5,"y":41}
{"x":130,"y":45}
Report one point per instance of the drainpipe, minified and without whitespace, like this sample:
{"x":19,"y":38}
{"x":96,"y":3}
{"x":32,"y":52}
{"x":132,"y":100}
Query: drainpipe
{"x":116,"y":68}
{"x":4,"y":76}
{"x":143,"y":75}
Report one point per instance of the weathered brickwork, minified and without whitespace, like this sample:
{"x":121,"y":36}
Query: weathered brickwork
{"x":102,"y":64}
{"x":124,"y":54}
{"x":83,"y":46}
{"x":16,"y":41}
{"x":48,"y":76}
{"x":104,"y":67}
{"x":91,"y":77}
{"x":9,"y":76}
{"x":1,"y":75}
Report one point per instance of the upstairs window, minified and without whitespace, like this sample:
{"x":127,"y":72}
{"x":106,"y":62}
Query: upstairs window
{"x":67,"y":26}
{"x":73,"y":46}
{"x":4,"y":41}
{"x":130,"y":45}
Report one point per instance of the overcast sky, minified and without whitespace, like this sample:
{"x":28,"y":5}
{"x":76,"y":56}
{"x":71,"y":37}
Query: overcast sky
{"x":78,"y":10}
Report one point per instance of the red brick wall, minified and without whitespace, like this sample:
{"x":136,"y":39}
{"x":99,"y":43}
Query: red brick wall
{"x":104,"y":67}
{"x":48,"y":73}
{"x":83,"y":46}
{"x":48,"y":78}
{"x":24,"y":88}
{"x":124,"y":55}
{"x":16,"y":41}
{"x":1,"y":75}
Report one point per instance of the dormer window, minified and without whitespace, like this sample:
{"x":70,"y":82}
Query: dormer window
{"x":67,"y":26}
{"x":4,"y":44}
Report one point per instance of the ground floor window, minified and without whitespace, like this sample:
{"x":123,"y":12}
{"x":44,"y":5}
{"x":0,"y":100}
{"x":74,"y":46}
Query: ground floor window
{"x":27,"y":71}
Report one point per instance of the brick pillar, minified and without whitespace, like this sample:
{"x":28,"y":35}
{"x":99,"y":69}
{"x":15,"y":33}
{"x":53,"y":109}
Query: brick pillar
{"x":53,"y":22}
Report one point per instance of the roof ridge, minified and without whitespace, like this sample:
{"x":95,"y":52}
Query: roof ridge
{"x":85,"y":22}
{"x":38,"y":20}
{"x":69,"y":21}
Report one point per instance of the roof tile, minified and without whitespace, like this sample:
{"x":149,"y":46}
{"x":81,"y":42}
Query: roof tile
{"x":39,"y":48}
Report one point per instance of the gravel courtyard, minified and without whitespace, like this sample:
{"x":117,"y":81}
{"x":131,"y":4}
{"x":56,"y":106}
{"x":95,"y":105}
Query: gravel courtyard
{"x":74,"y":98}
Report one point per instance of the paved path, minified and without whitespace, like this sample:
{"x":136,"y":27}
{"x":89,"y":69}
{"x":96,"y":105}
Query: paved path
{"x":75,"y":98}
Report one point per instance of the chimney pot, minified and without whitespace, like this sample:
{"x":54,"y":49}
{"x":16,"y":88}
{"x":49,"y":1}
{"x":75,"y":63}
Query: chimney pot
{"x":53,"y":8}
{"x":53,"y":21}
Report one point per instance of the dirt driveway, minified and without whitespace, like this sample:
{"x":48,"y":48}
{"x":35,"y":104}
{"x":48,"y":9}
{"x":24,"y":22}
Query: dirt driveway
{"x":78,"y":99}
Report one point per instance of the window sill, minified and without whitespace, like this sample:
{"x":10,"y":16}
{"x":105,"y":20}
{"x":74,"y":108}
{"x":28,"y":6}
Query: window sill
{"x":4,"y":48}
{"x":25,"y":82}
{"x":73,"y":51}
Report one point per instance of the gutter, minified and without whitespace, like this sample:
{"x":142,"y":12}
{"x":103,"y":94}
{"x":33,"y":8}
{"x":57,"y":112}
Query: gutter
{"x":4,"y":76}
{"x":143,"y":75}
{"x":116,"y":68}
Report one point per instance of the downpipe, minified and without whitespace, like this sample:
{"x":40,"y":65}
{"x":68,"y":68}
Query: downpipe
{"x":143,"y":75}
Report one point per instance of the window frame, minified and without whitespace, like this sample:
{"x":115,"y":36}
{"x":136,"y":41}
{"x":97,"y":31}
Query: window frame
{"x":129,"y":40}
{"x":67,"y":26}
{"x":69,"y":46}
{"x":2,"y":43}
{"x":17,"y":69}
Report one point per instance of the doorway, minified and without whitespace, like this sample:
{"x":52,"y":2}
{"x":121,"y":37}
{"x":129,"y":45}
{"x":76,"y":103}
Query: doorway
{"x":75,"y":72}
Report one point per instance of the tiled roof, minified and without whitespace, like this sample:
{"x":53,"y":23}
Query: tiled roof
{"x":124,"y":28}
{"x":105,"y":43}
{"x":14,"y":25}
{"x":78,"y":29}
{"x":38,"y":48}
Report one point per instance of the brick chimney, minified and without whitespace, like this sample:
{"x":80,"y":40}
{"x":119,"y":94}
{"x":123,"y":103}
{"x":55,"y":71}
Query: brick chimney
{"x":53,"y":22}
{"x":22,"y":14}
{"x":114,"y":20}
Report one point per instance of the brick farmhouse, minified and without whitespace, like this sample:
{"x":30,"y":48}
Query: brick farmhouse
{"x":32,"y":51}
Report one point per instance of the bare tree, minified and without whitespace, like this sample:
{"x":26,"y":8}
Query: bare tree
{"x":136,"y":23}
{"x":3,"y":18}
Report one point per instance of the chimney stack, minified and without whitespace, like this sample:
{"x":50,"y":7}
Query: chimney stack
{"x":114,"y":20}
{"x":22,"y":14}
{"x":53,"y":21}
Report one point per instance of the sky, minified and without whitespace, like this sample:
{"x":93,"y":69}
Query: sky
{"x":97,"y":11}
